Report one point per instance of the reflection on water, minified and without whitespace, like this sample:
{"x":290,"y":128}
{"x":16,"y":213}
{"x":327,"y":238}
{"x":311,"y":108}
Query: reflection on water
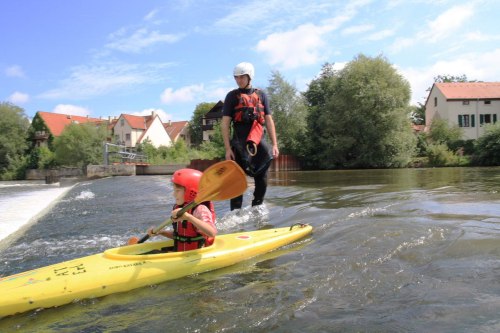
{"x":392,"y":251}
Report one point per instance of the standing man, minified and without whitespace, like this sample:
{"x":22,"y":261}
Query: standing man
{"x":248,"y":110}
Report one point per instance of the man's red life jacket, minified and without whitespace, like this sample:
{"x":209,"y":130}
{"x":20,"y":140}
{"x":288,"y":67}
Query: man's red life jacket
{"x":185,"y":235}
{"x":251,"y":110}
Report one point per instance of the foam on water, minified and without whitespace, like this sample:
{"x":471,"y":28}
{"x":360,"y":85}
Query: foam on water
{"x":19,"y":208}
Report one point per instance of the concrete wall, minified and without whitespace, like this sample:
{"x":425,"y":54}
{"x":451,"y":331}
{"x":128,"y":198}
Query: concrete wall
{"x":36,"y":174}
{"x":100,"y":171}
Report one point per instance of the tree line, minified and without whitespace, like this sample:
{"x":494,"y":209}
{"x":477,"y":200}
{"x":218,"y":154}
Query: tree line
{"x":356,"y":117}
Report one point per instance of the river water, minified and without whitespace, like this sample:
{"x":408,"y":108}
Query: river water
{"x":406,"y":250}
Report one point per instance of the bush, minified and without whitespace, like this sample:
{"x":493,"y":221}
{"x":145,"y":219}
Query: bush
{"x":488,"y":147}
{"x":440,"y":155}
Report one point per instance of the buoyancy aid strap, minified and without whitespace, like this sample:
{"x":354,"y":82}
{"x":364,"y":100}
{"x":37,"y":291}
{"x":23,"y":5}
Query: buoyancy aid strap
{"x":188,"y":239}
{"x":249,"y":108}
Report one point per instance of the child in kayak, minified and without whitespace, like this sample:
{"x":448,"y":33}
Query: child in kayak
{"x":196,"y":227}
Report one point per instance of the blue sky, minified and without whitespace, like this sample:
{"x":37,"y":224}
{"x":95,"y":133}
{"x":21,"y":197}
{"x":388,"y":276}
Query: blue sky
{"x":104,"y":58}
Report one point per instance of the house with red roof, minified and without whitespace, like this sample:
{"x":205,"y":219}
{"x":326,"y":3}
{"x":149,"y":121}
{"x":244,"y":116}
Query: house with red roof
{"x":210,"y":119}
{"x":48,"y":125}
{"x":130,"y":130}
{"x":468,"y":105}
{"x":178,"y":130}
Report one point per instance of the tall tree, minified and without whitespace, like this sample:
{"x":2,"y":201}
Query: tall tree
{"x":316,"y":98}
{"x":80,"y":145}
{"x":364,"y":119}
{"x":13,"y":141}
{"x":289,"y":114}
{"x":195,"y":125}
{"x":451,"y":78}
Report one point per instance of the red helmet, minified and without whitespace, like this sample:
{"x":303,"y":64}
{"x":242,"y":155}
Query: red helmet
{"x":189,"y":179}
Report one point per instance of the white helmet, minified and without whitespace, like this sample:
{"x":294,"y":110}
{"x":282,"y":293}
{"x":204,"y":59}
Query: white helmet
{"x":244,"y":68}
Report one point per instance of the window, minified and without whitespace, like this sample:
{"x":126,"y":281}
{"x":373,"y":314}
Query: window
{"x":435,"y":101}
{"x":465,"y":102}
{"x":122,"y":122}
{"x":127,"y":136}
{"x":465,"y":120}
{"x":487,"y":119}
{"x":487,"y":102}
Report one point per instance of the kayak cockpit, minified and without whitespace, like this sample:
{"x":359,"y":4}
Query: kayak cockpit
{"x":151,"y":250}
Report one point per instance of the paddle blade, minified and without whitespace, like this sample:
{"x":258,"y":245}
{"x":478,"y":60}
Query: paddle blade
{"x":221,"y":181}
{"x":133,"y":240}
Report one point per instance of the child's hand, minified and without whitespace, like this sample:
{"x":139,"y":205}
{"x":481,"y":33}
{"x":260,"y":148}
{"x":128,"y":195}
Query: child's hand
{"x":176,"y":218}
{"x":150,"y":232}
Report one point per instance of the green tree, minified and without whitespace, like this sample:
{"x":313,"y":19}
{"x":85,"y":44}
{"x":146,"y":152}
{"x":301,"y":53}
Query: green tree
{"x":441,"y":133}
{"x":195,"y":125}
{"x":417,"y":114}
{"x":80,"y":145}
{"x":364,"y":119}
{"x":487,"y":146}
{"x":451,"y":78}
{"x":316,"y":98}
{"x":214,"y":148}
{"x":289,"y":114}
{"x":13,"y":141}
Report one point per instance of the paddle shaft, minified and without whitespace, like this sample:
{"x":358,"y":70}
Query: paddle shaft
{"x":167,"y":222}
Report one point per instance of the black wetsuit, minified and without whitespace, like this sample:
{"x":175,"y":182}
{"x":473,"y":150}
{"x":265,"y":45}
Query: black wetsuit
{"x":255,"y":166}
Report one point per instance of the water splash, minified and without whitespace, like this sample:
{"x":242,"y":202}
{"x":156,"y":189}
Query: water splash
{"x":85,"y":195}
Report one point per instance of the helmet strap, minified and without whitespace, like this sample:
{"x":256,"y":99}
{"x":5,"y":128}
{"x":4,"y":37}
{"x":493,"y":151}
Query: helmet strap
{"x":249,"y":84}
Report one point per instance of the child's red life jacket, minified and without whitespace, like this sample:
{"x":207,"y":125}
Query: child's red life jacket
{"x":185,"y":235}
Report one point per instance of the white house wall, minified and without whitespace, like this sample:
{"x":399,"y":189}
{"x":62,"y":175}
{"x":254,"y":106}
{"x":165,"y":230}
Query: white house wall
{"x":157,"y":134}
{"x":120,"y":129}
{"x":477,"y":108}
{"x":437,"y":110}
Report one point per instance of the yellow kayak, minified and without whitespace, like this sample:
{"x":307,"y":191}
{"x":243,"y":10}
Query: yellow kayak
{"x":125,"y":268}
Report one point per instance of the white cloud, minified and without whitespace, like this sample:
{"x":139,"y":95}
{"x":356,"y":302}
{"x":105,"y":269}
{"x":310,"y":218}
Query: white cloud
{"x":294,"y":48}
{"x":96,"y":80}
{"x":476,"y":66}
{"x":19,"y":98}
{"x":448,"y":22}
{"x":164,"y":116}
{"x":139,"y":40}
{"x":151,"y":15}
{"x":445,"y":25}
{"x":15,"y":71}
{"x":357,"y":29}
{"x":182,"y":95}
{"x":382,"y":34}
{"x":73,"y":110}
{"x":306,"y":44}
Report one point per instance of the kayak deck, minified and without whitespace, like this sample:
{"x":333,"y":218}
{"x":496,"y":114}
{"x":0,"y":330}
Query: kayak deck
{"x":125,"y":268}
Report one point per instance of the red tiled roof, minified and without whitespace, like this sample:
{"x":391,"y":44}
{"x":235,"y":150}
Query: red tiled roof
{"x":138,"y":122}
{"x":470,"y":90}
{"x":174,"y":128}
{"x":56,"y":122}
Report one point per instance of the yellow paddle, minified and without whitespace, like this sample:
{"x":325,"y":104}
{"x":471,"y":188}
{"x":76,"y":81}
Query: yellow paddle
{"x":221,"y":181}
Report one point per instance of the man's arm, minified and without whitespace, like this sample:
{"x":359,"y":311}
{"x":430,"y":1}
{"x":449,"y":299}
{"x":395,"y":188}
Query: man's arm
{"x":272,"y":134}
{"x":225,"y":129}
